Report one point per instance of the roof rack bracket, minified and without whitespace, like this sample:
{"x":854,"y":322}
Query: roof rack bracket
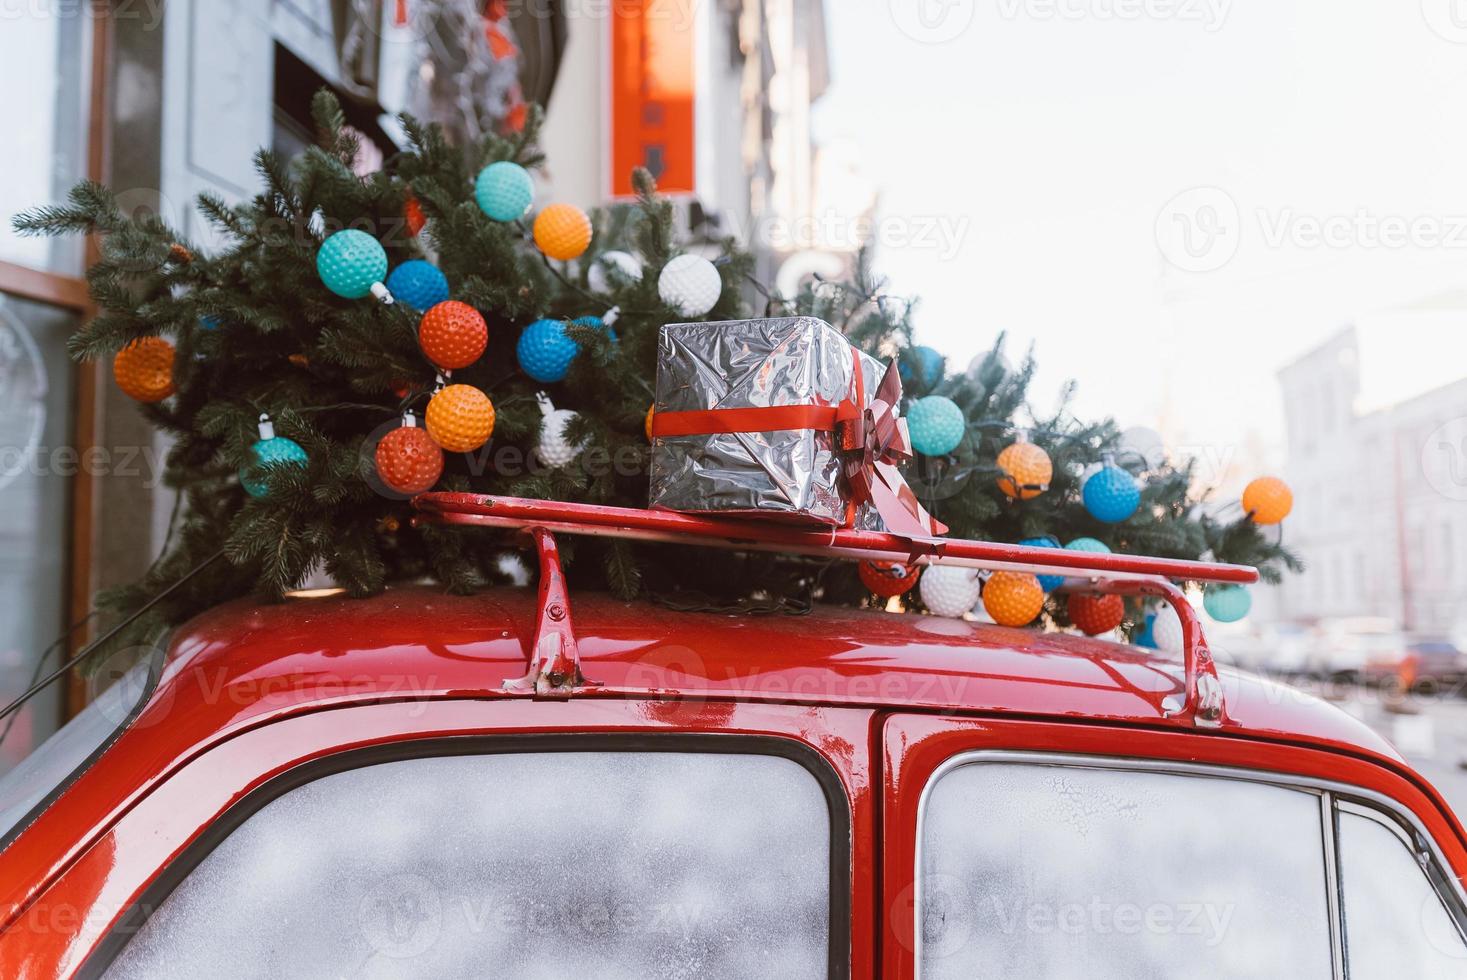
{"x":555,"y":660}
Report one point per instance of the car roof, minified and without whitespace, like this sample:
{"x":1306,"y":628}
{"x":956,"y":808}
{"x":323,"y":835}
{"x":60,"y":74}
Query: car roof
{"x":245,"y":658}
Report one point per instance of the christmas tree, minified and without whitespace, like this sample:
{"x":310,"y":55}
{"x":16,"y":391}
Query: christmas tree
{"x":252,"y":330}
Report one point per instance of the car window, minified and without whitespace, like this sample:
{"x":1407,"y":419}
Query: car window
{"x":602,"y":865}
{"x":40,"y":776}
{"x":1066,"y":873}
{"x":1395,"y":923}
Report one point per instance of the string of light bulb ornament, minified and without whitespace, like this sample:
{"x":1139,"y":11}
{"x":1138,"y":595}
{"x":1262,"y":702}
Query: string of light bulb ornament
{"x":459,"y":418}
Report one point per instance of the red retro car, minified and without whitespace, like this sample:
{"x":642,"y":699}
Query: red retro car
{"x":330,"y":787}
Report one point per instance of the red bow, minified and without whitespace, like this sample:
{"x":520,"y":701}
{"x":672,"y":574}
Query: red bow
{"x":877,"y":443}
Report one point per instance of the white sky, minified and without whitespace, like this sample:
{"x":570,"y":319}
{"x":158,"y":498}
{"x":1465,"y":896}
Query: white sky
{"x":1058,"y":130}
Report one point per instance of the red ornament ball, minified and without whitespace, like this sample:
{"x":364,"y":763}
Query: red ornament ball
{"x":408,"y":460}
{"x":1096,"y":614}
{"x":452,"y":334}
{"x":888,"y":578}
{"x":412,"y":213}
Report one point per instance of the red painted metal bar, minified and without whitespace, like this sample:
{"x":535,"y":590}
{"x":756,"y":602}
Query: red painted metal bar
{"x":747,"y":535}
{"x":555,"y":661}
{"x":1202,"y":697}
{"x":555,"y":664}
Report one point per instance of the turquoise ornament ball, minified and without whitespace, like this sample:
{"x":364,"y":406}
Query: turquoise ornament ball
{"x":920,"y":368}
{"x":1046,"y":582}
{"x":504,"y":191}
{"x":936,"y":425}
{"x":1227,"y":603}
{"x":1090,"y":545}
{"x":210,"y":322}
{"x":350,"y":263}
{"x":545,"y":351}
{"x":1111,"y":494}
{"x":269,"y":453}
{"x":419,"y":284}
{"x":1143,"y":636}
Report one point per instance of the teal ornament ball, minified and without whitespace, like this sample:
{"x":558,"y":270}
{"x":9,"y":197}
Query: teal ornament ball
{"x":418,"y":283}
{"x":1111,"y":494}
{"x":210,"y":322}
{"x":350,"y":263}
{"x":504,"y":191}
{"x":1089,"y":544}
{"x":920,"y":368}
{"x":1046,"y":582}
{"x":936,"y":425}
{"x":545,"y":351}
{"x":1227,"y":603}
{"x":268,"y":454}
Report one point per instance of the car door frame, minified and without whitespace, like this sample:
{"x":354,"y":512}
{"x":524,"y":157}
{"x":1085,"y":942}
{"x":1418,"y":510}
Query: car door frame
{"x":72,"y":926}
{"x":917,"y":749}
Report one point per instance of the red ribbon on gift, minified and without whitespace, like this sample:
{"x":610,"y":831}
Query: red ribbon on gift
{"x":873,"y":438}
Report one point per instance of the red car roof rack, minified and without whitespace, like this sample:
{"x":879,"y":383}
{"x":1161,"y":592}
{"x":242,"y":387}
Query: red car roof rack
{"x":555,"y":666}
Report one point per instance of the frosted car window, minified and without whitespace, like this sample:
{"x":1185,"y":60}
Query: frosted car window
{"x":1077,"y":874}
{"x":598,"y":866}
{"x":1395,"y":923}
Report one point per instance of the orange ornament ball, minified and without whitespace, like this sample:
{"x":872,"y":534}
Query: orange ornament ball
{"x":888,"y":578}
{"x":562,"y":231}
{"x":647,"y":425}
{"x":144,"y":369}
{"x":452,"y":334}
{"x":460,"y":418}
{"x":1027,"y":470}
{"x":408,"y":460}
{"x":1267,"y":500}
{"x":1013,"y":598}
{"x":1095,"y":614}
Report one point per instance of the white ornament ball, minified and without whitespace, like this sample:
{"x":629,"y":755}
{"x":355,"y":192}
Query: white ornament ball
{"x":555,"y":450}
{"x":976,"y":364}
{"x":948,"y":590}
{"x":1166,"y":629}
{"x":612,"y":269}
{"x":689,"y":284}
{"x":1145,"y":444}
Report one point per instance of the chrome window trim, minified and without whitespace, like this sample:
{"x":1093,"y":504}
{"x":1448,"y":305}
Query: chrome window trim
{"x":1335,"y":794}
{"x":1333,"y":896}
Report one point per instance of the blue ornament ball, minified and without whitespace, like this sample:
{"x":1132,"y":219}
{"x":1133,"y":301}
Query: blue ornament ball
{"x":504,"y":191}
{"x":936,"y":425}
{"x":545,"y":350}
{"x":1111,"y":494}
{"x":269,"y":453}
{"x":1143,"y":636}
{"x":920,"y":367}
{"x":599,"y":324}
{"x":1227,"y":603}
{"x":418,"y":284}
{"x":1046,"y":582}
{"x":210,"y":322}
{"x":350,"y":263}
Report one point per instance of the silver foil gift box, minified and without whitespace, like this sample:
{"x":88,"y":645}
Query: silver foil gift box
{"x":746,"y":420}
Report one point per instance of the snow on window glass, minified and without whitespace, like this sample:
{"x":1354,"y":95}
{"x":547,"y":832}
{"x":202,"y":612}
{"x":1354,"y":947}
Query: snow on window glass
{"x":586,"y":865}
{"x":1085,"y":874}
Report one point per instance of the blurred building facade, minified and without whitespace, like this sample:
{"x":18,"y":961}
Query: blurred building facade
{"x":164,"y":101}
{"x":1377,"y":456}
